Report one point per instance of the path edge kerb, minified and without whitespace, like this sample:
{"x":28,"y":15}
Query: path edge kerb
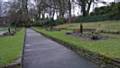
{"x":102,"y":61}
{"x":22,"y":64}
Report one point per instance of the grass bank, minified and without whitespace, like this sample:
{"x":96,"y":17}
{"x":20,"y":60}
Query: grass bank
{"x":103,"y":25}
{"x":11,"y":47}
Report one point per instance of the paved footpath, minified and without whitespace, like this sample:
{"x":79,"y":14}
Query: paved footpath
{"x":41,"y":52}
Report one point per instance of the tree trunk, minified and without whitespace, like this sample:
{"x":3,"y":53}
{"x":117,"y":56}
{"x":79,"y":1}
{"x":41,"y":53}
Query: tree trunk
{"x":81,"y":28}
{"x":9,"y":30}
{"x":83,"y":9}
{"x":25,"y":10}
{"x":89,"y":5}
{"x":70,"y":13}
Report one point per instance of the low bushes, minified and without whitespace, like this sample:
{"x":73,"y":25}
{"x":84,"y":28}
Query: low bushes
{"x":91,"y":18}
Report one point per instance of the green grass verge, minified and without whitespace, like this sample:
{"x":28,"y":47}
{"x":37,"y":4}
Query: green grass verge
{"x":109,"y":48}
{"x":11,"y":47}
{"x":105,"y":25}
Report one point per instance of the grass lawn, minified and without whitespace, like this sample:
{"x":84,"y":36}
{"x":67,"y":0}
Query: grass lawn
{"x":11,"y":47}
{"x":106,"y":25}
{"x":109,"y":47}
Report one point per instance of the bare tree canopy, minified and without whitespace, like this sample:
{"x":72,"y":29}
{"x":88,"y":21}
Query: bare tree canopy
{"x":27,"y":10}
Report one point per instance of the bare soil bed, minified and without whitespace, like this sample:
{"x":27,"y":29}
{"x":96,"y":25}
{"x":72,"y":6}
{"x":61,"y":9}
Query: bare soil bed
{"x":89,"y":36}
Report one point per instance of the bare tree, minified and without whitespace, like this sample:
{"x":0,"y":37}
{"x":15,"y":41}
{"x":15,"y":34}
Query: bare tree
{"x":86,"y":5}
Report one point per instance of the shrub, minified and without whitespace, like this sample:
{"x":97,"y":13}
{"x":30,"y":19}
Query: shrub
{"x":92,"y":18}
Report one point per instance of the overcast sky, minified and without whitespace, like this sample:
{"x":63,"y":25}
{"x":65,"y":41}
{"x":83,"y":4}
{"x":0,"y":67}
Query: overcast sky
{"x":103,"y":0}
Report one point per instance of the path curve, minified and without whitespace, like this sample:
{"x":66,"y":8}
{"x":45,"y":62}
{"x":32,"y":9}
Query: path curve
{"x":41,"y":52}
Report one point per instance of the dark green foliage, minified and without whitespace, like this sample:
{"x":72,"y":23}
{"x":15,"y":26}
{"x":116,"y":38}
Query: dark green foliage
{"x":112,"y":12}
{"x":52,"y":22}
{"x":115,"y":11}
{"x":60,"y":21}
{"x":46,"y":22}
{"x":92,"y":18}
{"x":101,"y":10}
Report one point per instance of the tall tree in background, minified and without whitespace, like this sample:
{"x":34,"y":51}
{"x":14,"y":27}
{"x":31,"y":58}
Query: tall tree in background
{"x":24,"y":9}
{"x":70,"y":9}
{"x":0,"y":8}
{"x":50,"y":8}
{"x":86,"y":5}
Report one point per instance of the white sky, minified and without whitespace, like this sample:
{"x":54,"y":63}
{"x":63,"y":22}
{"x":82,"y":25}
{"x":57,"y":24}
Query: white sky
{"x":5,"y":0}
{"x":108,"y":1}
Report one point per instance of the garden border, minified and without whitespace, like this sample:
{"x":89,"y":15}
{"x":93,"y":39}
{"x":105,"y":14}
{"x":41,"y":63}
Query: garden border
{"x":23,"y":48}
